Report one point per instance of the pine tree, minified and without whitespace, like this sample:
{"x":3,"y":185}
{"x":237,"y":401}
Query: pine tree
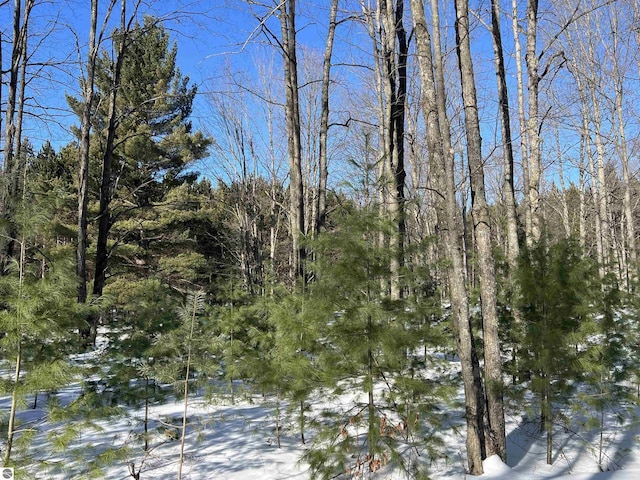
{"x":373,"y":346}
{"x":295,"y":350}
{"x":155,"y":142}
{"x":239,"y":333}
{"x":557,"y":290}
{"x":37,"y":319}
{"x":142,"y":310}
{"x":182,"y":356}
{"x":606,"y":368}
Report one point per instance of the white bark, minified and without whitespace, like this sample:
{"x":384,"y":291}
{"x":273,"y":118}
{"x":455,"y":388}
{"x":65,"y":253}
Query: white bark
{"x":533,"y":122}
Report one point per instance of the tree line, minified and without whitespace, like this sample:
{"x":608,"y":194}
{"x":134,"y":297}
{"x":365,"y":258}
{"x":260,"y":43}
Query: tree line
{"x":362,"y":207}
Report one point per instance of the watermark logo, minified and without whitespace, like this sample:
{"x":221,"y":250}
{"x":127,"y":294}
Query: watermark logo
{"x":7,"y":473}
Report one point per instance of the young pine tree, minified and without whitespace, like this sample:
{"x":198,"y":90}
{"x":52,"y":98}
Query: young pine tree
{"x":183,"y":357}
{"x":607,"y":366}
{"x":37,"y":319}
{"x":370,"y":354}
{"x":558,"y":287}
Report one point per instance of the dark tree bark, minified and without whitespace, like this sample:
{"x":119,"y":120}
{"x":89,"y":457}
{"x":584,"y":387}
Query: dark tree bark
{"x":105,"y":220}
{"x":88,"y":85}
{"x":391,"y":64}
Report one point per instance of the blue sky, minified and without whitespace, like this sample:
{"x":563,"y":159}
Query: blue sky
{"x":220,"y":35}
{"x":212,"y":36}
{"x":58,"y":28}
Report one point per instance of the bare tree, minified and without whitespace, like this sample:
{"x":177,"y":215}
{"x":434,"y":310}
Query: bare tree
{"x":19,"y":36}
{"x":618,"y":79}
{"x":442,"y":166}
{"x":515,"y":25}
{"x":563,"y":189}
{"x":238,"y":148}
{"x":508,"y":187}
{"x":273,"y":167}
{"x":287,"y":16}
{"x":87,"y":84}
{"x":390,"y":48}
{"x":14,"y":117}
{"x":20,"y":168}
{"x":321,"y":208}
{"x":588,"y":75}
{"x":496,"y":441}
{"x":602,"y":182}
{"x":533,"y":122}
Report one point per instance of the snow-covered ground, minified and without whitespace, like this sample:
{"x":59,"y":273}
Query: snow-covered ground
{"x":495,"y":469}
{"x":236,"y":441}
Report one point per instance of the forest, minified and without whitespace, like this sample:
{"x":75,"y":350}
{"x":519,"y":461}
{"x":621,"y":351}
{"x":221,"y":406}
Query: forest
{"x":372,"y":225}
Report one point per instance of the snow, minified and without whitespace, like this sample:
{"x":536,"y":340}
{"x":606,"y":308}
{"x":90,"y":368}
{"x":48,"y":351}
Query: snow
{"x":235,"y":440}
{"x":495,"y":469}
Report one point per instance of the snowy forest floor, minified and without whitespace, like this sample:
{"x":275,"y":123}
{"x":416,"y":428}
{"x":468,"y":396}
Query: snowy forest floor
{"x":237,"y":441}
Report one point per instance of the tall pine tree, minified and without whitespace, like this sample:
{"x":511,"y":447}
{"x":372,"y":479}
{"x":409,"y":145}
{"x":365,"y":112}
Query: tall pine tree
{"x":155,"y":143}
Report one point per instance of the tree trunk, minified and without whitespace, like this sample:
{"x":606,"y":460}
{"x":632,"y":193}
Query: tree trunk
{"x":521,"y":116}
{"x":533,"y":123}
{"x":582,"y":228}
{"x":197,"y":298}
{"x":321,"y":208}
{"x":441,"y":165}
{"x":11,"y":427}
{"x":601,"y":184}
{"x":496,"y":443}
{"x":20,"y":162}
{"x":12,"y":93}
{"x":398,"y":81}
{"x":292,"y":115}
{"x":83,"y":154}
{"x":508,"y":189}
{"x":10,"y":171}
{"x":83,"y":158}
{"x":629,"y":221}
{"x":585,"y":150}
{"x":15,"y":392}
{"x":508,"y":182}
{"x":474,"y":395}
{"x":373,"y":26}
{"x":105,"y":221}
{"x":371,"y":406}
{"x":563,"y":190}
{"x":274,"y":216}
{"x":595,"y":196}
{"x":391,"y":70}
